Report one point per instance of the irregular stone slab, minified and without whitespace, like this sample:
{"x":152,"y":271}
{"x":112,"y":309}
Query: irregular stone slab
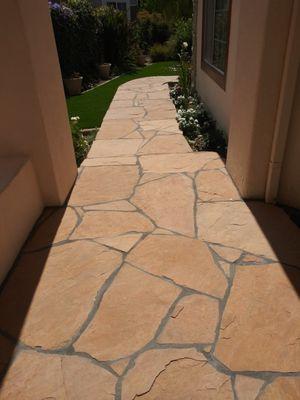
{"x":225,"y":267}
{"x":252,"y":259}
{"x":125,"y":112}
{"x":128,"y":316}
{"x":193,"y":320}
{"x":215,"y":164}
{"x":175,"y":374}
{"x":166,"y":144}
{"x":115,"y":147}
{"x":54,"y":229}
{"x":151,"y":177}
{"x":160,"y":231}
{"x":158,"y":114}
{"x":97,"y":162}
{"x":116,"y":129}
{"x":120,"y":104}
{"x":120,"y":366}
{"x":247,"y":388}
{"x":121,"y":205}
{"x":230,"y":255}
{"x":161,"y":125}
{"x":123,"y":243}
{"x":263,"y":229}
{"x":164,"y":163}
{"x":169,"y":202}
{"x":215,"y":186}
{"x":124,"y":95}
{"x":263,"y":334}
{"x":282,"y":388}
{"x":103,"y":184}
{"x":108,"y":224}
{"x":36,"y":376}
{"x":187,"y":262}
{"x":50,"y":293}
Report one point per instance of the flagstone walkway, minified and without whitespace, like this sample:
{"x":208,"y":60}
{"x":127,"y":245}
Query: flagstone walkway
{"x":156,"y":281}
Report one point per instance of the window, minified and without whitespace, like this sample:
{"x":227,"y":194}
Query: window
{"x":215,"y":39}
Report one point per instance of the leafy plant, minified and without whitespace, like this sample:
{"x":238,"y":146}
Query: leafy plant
{"x":160,"y":52}
{"x":81,"y":145}
{"x":184,"y":77}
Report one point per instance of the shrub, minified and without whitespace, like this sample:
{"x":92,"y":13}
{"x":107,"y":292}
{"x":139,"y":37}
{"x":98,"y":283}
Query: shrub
{"x":182,"y":33}
{"x":160,"y":52}
{"x":81,"y":145}
{"x":151,"y":29}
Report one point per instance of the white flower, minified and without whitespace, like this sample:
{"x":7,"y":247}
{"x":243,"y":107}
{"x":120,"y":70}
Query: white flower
{"x":75,"y":118}
{"x":185,"y":45}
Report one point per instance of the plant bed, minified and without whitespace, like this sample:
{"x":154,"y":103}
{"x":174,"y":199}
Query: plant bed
{"x":195,"y":121}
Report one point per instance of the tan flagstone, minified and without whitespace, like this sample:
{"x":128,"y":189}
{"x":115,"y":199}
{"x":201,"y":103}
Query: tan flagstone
{"x":125,"y":112}
{"x":285,"y":388}
{"x":54,"y":229}
{"x":115,"y":147}
{"x":50,"y":293}
{"x":262,"y":334}
{"x":120,"y":104}
{"x":36,"y":376}
{"x":225,"y":267}
{"x":187,"y":262}
{"x":108,"y":224}
{"x":169,"y":125}
{"x":215,"y":186}
{"x":128,"y":316}
{"x":247,"y":388}
{"x":97,"y":162}
{"x":214,"y":164}
{"x":116,"y":129}
{"x":160,"y":231}
{"x":194,"y":320}
{"x":158,"y":114}
{"x":164,"y":163}
{"x":169,"y":202}
{"x":151,"y":177}
{"x":227,"y":253}
{"x":175,"y":374}
{"x":124,"y":95}
{"x":103,"y":184}
{"x":122,"y":205}
{"x":166,"y":144}
{"x":262,"y":229}
{"x":252,"y":259}
{"x":123,"y":243}
{"x":134,"y":135}
{"x":120,"y":365}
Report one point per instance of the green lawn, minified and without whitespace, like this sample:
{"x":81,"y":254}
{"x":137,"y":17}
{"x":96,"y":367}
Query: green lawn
{"x":92,"y":106}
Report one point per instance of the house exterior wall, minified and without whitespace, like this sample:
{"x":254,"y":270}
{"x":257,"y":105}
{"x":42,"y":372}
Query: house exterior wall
{"x":34,"y":122}
{"x":249,"y":107}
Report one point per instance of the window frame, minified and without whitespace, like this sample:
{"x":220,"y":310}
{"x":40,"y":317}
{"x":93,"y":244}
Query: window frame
{"x":213,"y":72}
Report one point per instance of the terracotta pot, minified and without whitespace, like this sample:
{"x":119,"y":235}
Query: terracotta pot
{"x":73,"y":85}
{"x":141,"y":60}
{"x":104,"y":71}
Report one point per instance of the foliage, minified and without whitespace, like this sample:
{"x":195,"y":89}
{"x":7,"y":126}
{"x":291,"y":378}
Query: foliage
{"x":91,"y":106}
{"x":151,"y":29}
{"x":161,"y":52}
{"x":184,"y":76}
{"x":194,"y":119}
{"x":171,"y":9}
{"x":86,"y":36}
{"x":182,"y":33}
{"x":81,"y":145}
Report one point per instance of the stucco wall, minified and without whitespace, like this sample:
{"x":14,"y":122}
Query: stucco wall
{"x":34,"y":121}
{"x":219,"y":101}
{"x":289,"y":191}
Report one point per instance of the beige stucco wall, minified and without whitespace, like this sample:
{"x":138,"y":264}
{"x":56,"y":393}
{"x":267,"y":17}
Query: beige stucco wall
{"x":219,"y":101}
{"x":33,"y":124}
{"x":289,"y":190}
{"x":33,"y":111}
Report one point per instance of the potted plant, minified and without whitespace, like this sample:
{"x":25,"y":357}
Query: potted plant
{"x":141,"y":60}
{"x":73,"y":84}
{"x":104,"y":71}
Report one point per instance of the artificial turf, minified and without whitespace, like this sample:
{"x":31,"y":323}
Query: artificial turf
{"x":92,"y":105}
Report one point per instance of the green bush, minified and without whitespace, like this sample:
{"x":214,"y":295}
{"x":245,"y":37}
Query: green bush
{"x":86,"y":36}
{"x":182,"y":33}
{"x":160,"y":52}
{"x":151,"y":29}
{"x":81,"y":145}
